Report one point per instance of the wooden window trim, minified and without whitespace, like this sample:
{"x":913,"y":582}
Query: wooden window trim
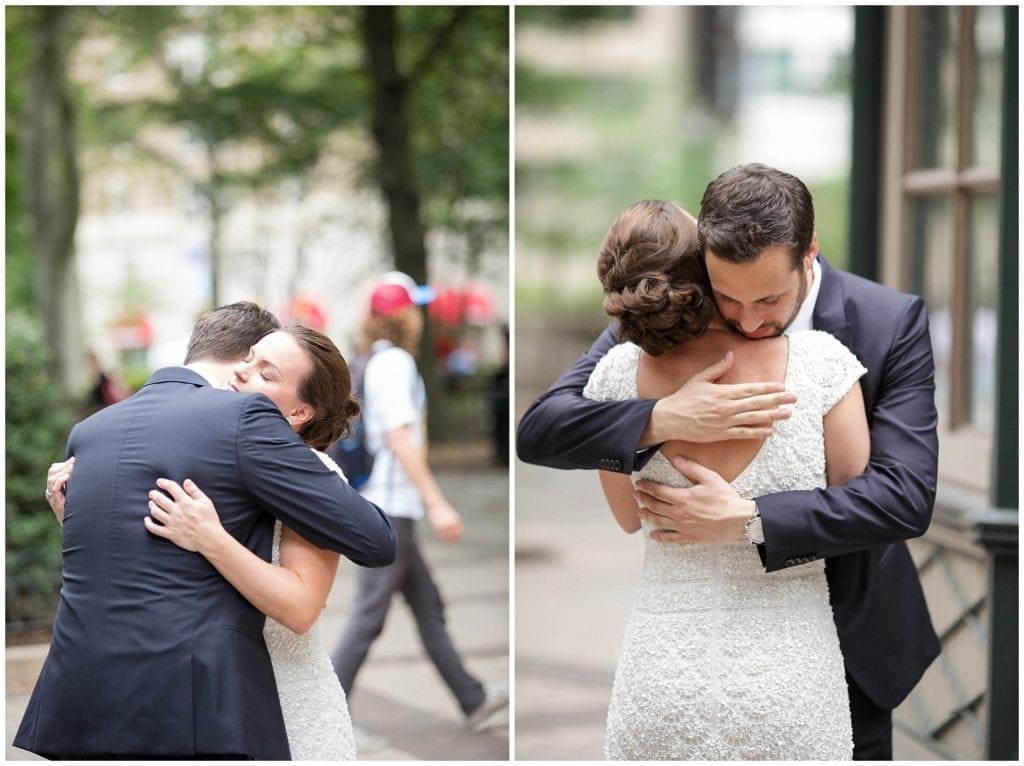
{"x":965,"y":455}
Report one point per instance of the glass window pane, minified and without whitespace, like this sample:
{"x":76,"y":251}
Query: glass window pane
{"x":988,"y":85}
{"x":930,"y":245}
{"x":934,"y":69}
{"x":984,"y":265}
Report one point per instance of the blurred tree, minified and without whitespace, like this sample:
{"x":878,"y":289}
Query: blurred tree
{"x":460,"y":131}
{"x":255,"y":88}
{"x":390,"y":126}
{"x":47,"y":151}
{"x":451,"y":76}
{"x":281,"y":81}
{"x":263,"y":92}
{"x":19,"y":262}
{"x":571,"y":16}
{"x":455,"y":81}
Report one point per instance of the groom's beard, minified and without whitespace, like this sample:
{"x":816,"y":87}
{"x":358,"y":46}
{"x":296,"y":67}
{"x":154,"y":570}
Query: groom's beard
{"x":774,"y":329}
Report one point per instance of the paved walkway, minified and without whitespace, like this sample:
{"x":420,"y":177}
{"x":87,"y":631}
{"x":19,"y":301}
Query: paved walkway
{"x":576,"y":572}
{"x":399,"y":695}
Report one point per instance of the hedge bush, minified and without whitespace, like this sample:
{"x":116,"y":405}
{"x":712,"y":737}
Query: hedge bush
{"x":38,"y":420}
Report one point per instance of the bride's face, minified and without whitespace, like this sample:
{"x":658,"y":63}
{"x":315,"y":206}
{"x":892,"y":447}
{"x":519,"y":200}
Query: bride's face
{"x":276,"y":367}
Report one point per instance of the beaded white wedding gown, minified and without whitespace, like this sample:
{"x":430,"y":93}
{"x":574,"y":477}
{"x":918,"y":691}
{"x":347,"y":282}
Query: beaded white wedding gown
{"x":313,"y":703}
{"x":721,"y":660}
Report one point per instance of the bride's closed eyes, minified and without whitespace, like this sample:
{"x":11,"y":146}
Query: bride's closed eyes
{"x":275,"y":367}
{"x":263,"y":366}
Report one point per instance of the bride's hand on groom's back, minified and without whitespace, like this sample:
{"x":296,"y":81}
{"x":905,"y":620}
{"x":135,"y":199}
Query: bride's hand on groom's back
{"x":183,"y":514}
{"x":56,"y":486}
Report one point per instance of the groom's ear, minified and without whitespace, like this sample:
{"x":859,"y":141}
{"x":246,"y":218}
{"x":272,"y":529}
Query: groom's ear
{"x":301,"y":414}
{"x":812,"y":249}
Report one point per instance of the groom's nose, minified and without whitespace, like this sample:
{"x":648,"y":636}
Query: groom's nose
{"x":751,"y":320}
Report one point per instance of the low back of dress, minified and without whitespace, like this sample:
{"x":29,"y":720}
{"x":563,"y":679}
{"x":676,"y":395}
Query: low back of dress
{"x":714,"y":642}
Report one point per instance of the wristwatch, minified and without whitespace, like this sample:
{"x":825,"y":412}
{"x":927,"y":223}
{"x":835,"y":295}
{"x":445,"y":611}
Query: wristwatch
{"x":754,"y":532}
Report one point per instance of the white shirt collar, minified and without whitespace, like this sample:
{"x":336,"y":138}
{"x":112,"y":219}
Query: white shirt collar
{"x":805,"y":316}
{"x":207,"y":374}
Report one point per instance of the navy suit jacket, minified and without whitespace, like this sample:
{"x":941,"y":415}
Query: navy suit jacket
{"x":153,"y":652}
{"x":860,"y":528}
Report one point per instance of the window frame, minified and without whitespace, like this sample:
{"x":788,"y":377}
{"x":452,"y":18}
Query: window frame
{"x":965,"y":449}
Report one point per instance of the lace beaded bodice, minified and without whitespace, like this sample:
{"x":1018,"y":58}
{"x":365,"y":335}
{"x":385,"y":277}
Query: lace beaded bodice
{"x":721,"y":660}
{"x":313,"y":703}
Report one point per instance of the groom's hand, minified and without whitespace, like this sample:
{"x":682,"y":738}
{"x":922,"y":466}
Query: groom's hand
{"x":702,"y":410}
{"x":708,"y":512}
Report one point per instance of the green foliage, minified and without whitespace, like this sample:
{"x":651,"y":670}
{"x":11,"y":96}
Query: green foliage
{"x":570,"y":15}
{"x":19,"y":265}
{"x":831,"y":219}
{"x":636,"y":149}
{"x":286,"y":79}
{"x":561,"y":91}
{"x":460,"y":116}
{"x":37,"y":425}
{"x":267,"y":77}
{"x":638,"y":134}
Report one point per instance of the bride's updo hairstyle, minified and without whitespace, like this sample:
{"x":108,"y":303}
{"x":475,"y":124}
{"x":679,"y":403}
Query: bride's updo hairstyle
{"x":654,"y":279}
{"x":327,"y":389}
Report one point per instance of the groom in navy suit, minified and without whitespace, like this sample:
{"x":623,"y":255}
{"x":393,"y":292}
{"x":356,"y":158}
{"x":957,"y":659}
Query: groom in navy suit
{"x":756,"y":226}
{"x":154,"y":654}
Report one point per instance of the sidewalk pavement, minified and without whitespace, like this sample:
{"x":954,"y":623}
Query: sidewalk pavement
{"x":398,"y":695}
{"x":576,"y":572}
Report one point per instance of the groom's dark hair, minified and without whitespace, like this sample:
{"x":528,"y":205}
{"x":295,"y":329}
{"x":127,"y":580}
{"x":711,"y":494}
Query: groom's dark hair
{"x":226,"y":333}
{"x":752,"y":207}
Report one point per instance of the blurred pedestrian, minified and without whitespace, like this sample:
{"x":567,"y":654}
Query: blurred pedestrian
{"x":107,"y":388}
{"x":401,"y":482}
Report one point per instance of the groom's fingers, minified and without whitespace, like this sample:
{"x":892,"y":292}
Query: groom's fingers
{"x":766,"y":394}
{"x":763,"y":402}
{"x":658,"y":499}
{"x":671,"y":536}
{"x":695,"y":472}
{"x":718,"y":369}
{"x":657,"y":520}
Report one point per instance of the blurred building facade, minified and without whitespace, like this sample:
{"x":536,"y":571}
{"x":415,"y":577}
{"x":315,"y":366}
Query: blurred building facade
{"x":308,"y":246}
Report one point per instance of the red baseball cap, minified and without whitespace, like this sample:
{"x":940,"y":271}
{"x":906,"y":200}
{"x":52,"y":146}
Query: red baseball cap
{"x":397,"y":291}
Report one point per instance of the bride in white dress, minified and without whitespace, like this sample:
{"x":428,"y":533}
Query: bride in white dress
{"x":302,"y":372}
{"x":720,"y":660}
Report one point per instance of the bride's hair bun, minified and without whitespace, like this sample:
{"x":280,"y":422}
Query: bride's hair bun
{"x":349,"y":412}
{"x":327,"y":388}
{"x":653,"y":276}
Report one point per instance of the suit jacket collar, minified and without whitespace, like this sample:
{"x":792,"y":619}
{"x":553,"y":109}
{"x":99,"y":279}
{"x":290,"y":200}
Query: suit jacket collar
{"x":177,"y":375}
{"x":830,"y":309}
